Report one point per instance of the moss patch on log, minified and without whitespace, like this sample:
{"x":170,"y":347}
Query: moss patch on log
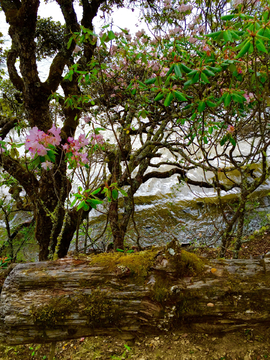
{"x":189,"y":265}
{"x":97,"y":308}
{"x":138,"y":263}
{"x":53,"y":313}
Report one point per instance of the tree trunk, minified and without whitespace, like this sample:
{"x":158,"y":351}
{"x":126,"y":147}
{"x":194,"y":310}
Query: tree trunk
{"x":127,"y":294}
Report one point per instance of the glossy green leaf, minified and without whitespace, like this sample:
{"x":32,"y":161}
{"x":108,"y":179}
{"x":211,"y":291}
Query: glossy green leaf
{"x":238,"y":98}
{"x":260,"y":46}
{"x":204,"y":78}
{"x":170,"y":70}
{"x":228,"y":17}
{"x":169,"y":99}
{"x":179,"y":96}
{"x":201,"y":106}
{"x":177,"y":71}
{"x":83,"y":205}
{"x":223,"y":140}
{"x":195,"y":78}
{"x":244,"y":50}
{"x":227,"y":36}
{"x":232,"y":140}
{"x":227,"y":99}
{"x":160,"y":96}
{"x":96,"y":191}
{"x":214,"y":34}
{"x":94,"y":202}
{"x":114,"y":194}
{"x":210,"y":103}
{"x":185,"y":68}
{"x":208,"y":72}
{"x":111,"y":35}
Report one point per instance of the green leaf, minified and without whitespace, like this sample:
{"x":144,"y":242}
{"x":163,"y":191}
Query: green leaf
{"x":170,"y":70}
{"x":185,"y":68}
{"x":192,"y":73}
{"x":179,"y":96}
{"x":223,"y":140}
{"x":195,"y":77}
{"x":96,"y":191}
{"x":204,"y":78}
{"x":210,"y":103}
{"x":150,"y":81}
{"x":188,"y":83}
{"x":69,"y":42}
{"x":177,"y":71}
{"x":238,"y":98}
{"x":208,"y":72}
{"x":227,"y":99}
{"x":94,"y":202}
{"x":73,"y":202}
{"x":214,"y":69}
{"x":201,"y":106}
{"x":227,"y":36}
{"x":119,"y":250}
{"x":244,"y":49}
{"x":83,"y":205}
{"x":260,"y":46}
{"x":168,"y":99}
{"x":123,"y":192}
{"x":214,"y":34}
{"x":232,"y":140}
{"x":114,"y":194}
{"x":228,"y":17}
{"x":160,"y":96}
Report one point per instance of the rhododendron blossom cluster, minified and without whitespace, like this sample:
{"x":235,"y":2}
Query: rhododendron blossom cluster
{"x":74,"y":150}
{"x":38,"y":142}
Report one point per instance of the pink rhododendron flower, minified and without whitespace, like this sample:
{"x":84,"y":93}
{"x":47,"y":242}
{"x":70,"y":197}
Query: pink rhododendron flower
{"x":47,"y":165}
{"x":230,"y":129}
{"x":97,"y":139}
{"x":75,"y":147}
{"x":37,"y":142}
{"x":87,"y":119}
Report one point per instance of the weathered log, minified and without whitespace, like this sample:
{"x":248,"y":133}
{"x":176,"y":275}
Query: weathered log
{"x":123,"y":295}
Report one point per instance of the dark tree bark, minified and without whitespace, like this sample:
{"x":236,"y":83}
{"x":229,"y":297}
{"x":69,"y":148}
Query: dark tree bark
{"x":52,"y":301}
{"x":48,"y":194}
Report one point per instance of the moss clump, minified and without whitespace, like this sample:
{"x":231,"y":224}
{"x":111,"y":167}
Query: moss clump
{"x":53,"y":313}
{"x":161,"y":290}
{"x":189,"y":264}
{"x":138,"y":263}
{"x":97,"y":308}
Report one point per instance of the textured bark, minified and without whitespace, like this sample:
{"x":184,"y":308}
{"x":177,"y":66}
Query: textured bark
{"x":69,"y":298}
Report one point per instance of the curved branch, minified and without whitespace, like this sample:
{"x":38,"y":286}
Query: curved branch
{"x":13,"y":73}
{"x":183,"y":176}
{"x":25,"y":178}
{"x":9,"y":124}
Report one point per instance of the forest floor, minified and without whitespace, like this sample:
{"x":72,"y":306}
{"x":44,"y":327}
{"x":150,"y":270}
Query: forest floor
{"x":241,"y":344}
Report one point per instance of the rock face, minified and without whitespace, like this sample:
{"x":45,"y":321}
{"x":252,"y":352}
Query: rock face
{"x":128,"y":294}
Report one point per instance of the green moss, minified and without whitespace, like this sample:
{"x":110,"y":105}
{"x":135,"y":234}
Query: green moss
{"x":138,"y":263}
{"x":161,"y":288}
{"x":53,"y":313}
{"x":98,"y":308}
{"x":189,"y":264}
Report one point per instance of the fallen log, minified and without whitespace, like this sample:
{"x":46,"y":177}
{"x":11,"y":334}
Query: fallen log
{"x":126,"y":294}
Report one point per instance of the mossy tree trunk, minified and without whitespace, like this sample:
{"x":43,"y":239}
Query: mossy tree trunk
{"x":49,"y":191}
